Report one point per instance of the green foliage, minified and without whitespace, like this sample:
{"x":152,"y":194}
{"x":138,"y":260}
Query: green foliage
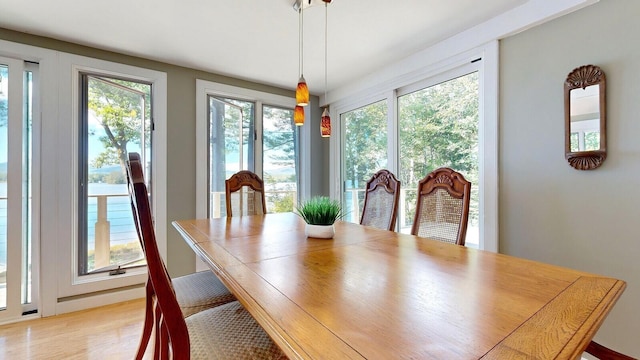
{"x":114,"y":177}
{"x":282,"y":202}
{"x":119,"y":254}
{"x":438,"y":126}
{"x":3,"y":111}
{"x":277,"y":138}
{"x":592,"y":140}
{"x":320,"y":210}
{"x":121,"y":108}
{"x":575,"y":141}
{"x":226,"y":115}
{"x":4,"y":77}
{"x":365,"y":142}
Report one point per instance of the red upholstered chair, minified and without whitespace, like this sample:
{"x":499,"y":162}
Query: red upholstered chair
{"x":244,"y":194}
{"x":442,"y":209}
{"x":381,"y":201}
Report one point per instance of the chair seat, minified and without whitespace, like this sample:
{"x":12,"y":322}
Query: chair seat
{"x":200,"y":291}
{"x":229,"y":332}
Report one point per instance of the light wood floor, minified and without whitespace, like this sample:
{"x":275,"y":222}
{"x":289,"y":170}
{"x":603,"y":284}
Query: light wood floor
{"x":109,"y":332}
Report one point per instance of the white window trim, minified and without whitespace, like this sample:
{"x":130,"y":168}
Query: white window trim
{"x":69,"y":283}
{"x":43,"y":165}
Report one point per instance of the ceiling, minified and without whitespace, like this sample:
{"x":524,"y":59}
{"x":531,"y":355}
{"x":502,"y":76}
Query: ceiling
{"x":256,"y":40}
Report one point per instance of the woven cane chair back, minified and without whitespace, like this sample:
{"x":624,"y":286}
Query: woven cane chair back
{"x":442,"y":209}
{"x":381,"y":201}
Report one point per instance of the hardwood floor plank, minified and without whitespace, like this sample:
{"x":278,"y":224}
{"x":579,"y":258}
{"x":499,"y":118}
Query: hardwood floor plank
{"x":108,"y":332}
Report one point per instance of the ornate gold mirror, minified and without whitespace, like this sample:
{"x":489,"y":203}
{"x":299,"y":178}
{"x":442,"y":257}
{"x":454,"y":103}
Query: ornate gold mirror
{"x":585,"y":117}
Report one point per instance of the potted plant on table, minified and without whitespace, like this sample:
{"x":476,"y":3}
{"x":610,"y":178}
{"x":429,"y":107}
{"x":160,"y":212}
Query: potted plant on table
{"x":320,"y":212}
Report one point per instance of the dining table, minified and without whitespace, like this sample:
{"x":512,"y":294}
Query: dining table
{"x":376,"y":294}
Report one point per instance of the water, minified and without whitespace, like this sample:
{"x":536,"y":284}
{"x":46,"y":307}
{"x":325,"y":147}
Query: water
{"x":118,"y":214}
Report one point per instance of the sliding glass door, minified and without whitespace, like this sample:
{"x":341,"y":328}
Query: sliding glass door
{"x":365,"y":152}
{"x":438,"y":127}
{"x":18,"y":255}
{"x":434,"y":123}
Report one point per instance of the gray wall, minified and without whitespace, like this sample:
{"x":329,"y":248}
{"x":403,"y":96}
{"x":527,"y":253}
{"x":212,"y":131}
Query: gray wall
{"x":181,"y":119}
{"x":586,"y":220}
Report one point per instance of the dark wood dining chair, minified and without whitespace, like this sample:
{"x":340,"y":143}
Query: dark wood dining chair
{"x":442,"y":209}
{"x":197,"y":291}
{"x":604,"y":353}
{"x":223,"y":332}
{"x":381,"y":201}
{"x":194,"y":292}
{"x":244,"y":194}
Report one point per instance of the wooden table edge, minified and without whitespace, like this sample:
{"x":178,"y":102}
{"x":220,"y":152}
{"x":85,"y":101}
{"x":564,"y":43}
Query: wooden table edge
{"x":576,"y":345}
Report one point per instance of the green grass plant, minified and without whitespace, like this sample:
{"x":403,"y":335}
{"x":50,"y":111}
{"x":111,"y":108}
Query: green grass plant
{"x":320,"y":210}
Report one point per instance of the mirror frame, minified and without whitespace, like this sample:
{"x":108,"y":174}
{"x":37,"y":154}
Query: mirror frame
{"x":580,"y":78}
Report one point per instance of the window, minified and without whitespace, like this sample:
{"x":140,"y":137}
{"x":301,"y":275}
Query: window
{"x":99,"y":97}
{"x":241,"y":129}
{"x":116,"y":119}
{"x":442,"y":115}
{"x":585,"y":135}
{"x":279,"y":148}
{"x":18,"y":259}
{"x":438,"y":127}
{"x":365,"y":152}
{"x":231,"y":148}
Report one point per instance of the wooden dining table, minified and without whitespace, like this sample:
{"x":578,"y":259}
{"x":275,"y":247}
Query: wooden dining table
{"x":377,"y":294}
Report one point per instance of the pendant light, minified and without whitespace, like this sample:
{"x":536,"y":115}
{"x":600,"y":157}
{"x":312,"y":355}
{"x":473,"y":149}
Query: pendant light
{"x":298,"y":115}
{"x":302,"y":91}
{"x":325,"y":121}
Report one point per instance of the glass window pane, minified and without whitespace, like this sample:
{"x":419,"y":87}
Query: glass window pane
{"x":438,"y":127}
{"x":117,"y":122}
{"x":27,"y":241}
{"x":4,"y":143}
{"x":230,"y":148}
{"x":279,"y":159}
{"x":365,"y":152}
{"x":592,"y":140}
{"x":22,"y":210}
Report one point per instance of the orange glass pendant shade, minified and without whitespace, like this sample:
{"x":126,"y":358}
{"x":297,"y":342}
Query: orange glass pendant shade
{"x":302,"y":92}
{"x":325,"y":124}
{"x":298,"y":116}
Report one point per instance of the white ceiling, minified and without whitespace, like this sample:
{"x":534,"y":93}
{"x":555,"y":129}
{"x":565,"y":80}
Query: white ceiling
{"x":255,"y":40}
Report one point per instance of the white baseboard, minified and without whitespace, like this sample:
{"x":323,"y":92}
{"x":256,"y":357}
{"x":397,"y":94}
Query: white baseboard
{"x":89,"y":302}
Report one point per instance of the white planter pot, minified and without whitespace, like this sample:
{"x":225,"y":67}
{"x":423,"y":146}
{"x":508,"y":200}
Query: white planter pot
{"x":319,"y":231}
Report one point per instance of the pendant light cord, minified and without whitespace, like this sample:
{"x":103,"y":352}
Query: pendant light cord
{"x":301,"y":24}
{"x":299,"y":39}
{"x":326,"y":26}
